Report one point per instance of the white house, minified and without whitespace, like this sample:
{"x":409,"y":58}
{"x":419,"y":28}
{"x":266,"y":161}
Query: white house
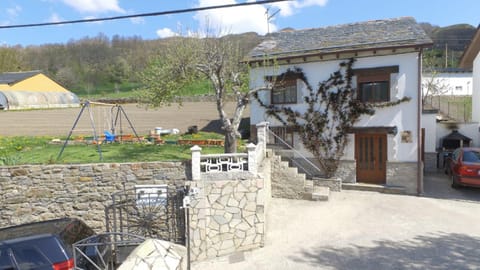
{"x":384,"y":148}
{"x":453,"y":82}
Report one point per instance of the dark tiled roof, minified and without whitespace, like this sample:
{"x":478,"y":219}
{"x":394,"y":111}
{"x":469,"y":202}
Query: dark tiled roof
{"x":455,"y":135}
{"x":14,"y":77}
{"x":399,"y":32}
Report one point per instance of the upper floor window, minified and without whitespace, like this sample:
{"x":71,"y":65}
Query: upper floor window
{"x":378,"y":91}
{"x":284,"y":92}
{"x":373,"y":84}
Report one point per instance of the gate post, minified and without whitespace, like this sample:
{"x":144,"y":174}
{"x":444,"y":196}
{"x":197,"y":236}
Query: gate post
{"x":262,"y":139}
{"x":252,"y":156}
{"x":196,"y":153}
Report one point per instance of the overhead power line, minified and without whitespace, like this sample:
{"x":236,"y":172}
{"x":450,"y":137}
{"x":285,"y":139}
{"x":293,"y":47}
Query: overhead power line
{"x":143,"y":14}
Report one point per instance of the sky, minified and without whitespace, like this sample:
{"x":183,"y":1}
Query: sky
{"x":297,"y":14}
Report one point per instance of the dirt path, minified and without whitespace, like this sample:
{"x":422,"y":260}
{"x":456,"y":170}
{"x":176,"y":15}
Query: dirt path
{"x":59,"y":122}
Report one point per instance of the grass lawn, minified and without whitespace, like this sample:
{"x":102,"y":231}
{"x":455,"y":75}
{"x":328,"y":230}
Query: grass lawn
{"x":41,"y":150}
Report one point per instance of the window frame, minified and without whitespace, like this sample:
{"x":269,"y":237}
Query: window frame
{"x":283,"y":87}
{"x":280,"y":83}
{"x":375,"y":75}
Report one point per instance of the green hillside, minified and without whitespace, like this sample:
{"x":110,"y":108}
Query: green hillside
{"x":449,"y":43}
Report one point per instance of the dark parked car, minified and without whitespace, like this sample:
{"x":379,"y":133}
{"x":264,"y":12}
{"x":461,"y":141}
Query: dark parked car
{"x":41,"y":245}
{"x":463,"y":166}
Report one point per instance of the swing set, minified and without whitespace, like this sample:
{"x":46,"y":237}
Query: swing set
{"x":110,"y":125}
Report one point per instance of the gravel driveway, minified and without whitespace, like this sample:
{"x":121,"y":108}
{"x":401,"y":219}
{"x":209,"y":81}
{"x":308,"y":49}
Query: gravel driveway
{"x":368,"y":230}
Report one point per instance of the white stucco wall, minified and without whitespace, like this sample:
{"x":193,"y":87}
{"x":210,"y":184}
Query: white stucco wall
{"x":429,"y":123}
{"x":476,"y":90}
{"x":456,"y":83}
{"x":403,"y":116}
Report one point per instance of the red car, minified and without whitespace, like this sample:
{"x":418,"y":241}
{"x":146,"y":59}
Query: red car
{"x":463,"y":166}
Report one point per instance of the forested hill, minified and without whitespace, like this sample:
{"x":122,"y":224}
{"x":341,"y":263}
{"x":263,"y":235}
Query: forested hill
{"x":449,"y":43}
{"x":102,"y":64}
{"x":456,"y":37}
{"x":96,"y":64}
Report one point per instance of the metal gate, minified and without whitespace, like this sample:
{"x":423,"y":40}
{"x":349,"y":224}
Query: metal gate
{"x":151,"y":211}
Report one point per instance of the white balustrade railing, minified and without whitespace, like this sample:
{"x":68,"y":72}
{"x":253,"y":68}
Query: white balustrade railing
{"x":233,"y":162}
{"x":224,"y":163}
{"x":227,"y":163}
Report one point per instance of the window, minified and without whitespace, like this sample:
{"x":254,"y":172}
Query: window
{"x":374,"y":91}
{"x":373,"y":84}
{"x":471,"y":156}
{"x":285,"y":92}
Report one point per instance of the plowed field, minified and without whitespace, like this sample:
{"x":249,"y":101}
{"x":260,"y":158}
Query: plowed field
{"x":59,"y":122}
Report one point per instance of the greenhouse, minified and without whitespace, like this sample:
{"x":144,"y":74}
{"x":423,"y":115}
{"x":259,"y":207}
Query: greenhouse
{"x":33,"y":90}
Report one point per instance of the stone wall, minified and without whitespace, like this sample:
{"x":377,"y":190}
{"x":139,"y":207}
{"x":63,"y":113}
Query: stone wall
{"x":38,"y":192}
{"x":226,"y":216}
{"x":347,"y":171}
{"x":333,"y":183}
{"x":403,"y":174}
{"x":431,"y":162}
{"x":229,"y":215}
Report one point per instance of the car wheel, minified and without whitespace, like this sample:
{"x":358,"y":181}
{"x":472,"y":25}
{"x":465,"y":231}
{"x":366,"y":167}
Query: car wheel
{"x":454,"y":183}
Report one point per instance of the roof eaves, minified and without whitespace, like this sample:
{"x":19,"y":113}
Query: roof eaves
{"x":335,"y":50}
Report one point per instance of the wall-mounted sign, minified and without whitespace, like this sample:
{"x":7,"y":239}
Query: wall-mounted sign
{"x":406,"y":136}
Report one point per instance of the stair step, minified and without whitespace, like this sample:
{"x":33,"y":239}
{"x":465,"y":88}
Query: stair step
{"x":285,"y":164}
{"x":320,"y":193}
{"x":372,"y":187}
{"x":309,"y":184}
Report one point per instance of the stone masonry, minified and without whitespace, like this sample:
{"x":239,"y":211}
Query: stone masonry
{"x":227,"y":216}
{"x":40,"y":192}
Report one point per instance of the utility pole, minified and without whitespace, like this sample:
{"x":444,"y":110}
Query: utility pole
{"x":269,"y":17}
{"x":446,"y":54}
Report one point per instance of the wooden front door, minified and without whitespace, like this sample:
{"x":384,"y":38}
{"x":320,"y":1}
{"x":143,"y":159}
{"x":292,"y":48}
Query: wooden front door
{"x":371,"y":157}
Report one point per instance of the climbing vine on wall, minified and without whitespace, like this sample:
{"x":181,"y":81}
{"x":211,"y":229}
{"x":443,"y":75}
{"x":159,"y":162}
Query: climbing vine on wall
{"x":332,"y":110}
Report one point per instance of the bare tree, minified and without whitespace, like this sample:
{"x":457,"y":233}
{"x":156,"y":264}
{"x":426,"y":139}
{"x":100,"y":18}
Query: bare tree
{"x":189,"y":59}
{"x":432,"y":84}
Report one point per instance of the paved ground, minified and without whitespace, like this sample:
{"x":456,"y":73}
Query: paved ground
{"x":59,"y":122}
{"x":368,"y":230}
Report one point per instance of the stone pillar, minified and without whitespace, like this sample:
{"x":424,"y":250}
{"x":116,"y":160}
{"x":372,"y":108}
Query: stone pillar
{"x":252,"y":158}
{"x":196,"y":153}
{"x":262,"y":139}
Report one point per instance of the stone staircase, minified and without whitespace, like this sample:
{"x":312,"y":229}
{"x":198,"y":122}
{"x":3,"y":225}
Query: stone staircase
{"x":293,"y":182}
{"x":288,"y":182}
